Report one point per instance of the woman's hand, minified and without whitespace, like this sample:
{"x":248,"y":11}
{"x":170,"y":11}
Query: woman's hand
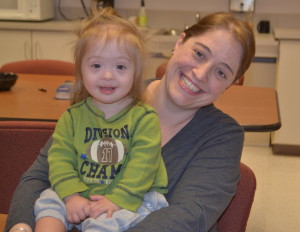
{"x":78,"y":208}
{"x":100,"y":204}
{"x":21,"y":227}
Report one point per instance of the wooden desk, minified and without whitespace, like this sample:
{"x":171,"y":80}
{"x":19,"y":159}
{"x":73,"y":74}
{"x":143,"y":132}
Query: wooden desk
{"x":2,"y":221}
{"x":256,"y":109}
{"x":33,"y":98}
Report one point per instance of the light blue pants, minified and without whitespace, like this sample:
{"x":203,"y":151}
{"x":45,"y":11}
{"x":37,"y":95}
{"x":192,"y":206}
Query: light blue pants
{"x":50,"y":205}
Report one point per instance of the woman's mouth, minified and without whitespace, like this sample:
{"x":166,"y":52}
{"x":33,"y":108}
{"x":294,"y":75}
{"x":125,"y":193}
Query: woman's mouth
{"x":188,"y":85}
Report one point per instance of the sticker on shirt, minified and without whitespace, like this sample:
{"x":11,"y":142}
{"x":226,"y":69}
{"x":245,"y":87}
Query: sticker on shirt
{"x":107,"y":151}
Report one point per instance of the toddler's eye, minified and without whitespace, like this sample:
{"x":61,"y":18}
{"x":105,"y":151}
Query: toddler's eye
{"x":121,"y":67}
{"x":96,"y":65}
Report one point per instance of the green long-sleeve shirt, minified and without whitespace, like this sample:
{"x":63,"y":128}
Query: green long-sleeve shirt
{"x":119,"y":157}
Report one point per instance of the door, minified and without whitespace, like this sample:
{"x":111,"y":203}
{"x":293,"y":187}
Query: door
{"x":57,"y":45}
{"x":15,"y":45}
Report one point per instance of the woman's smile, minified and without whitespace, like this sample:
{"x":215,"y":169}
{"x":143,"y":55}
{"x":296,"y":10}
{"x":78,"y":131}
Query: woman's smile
{"x":188,"y":85}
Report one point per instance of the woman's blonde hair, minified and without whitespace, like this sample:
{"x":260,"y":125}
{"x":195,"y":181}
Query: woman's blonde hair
{"x":107,"y":26}
{"x":241,"y":30}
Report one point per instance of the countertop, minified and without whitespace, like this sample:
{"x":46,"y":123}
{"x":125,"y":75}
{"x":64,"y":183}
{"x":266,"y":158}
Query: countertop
{"x":52,"y":25}
{"x":287,"y":33}
{"x":266,"y":44}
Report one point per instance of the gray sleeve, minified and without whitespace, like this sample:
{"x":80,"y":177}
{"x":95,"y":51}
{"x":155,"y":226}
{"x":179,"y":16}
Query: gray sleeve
{"x":32,"y":183}
{"x":204,"y":188}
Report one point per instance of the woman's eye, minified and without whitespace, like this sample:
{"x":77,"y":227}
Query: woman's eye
{"x":96,"y":65}
{"x":198,"y":53}
{"x":121,"y":67}
{"x":221,"y":74}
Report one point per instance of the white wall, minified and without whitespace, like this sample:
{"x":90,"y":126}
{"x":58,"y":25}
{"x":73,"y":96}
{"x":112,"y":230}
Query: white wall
{"x":278,"y":6}
{"x":184,"y":5}
{"x":261,"y":6}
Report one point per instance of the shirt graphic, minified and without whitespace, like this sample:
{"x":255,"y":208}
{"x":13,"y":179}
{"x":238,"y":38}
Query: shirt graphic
{"x":106,"y":151}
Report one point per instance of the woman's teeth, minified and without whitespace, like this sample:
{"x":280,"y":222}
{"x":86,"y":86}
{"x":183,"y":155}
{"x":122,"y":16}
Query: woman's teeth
{"x":190,"y":85}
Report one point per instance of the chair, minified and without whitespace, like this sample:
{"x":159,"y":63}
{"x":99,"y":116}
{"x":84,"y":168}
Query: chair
{"x":51,"y":67}
{"x":20,"y":142}
{"x":235,"y":217}
{"x":161,"y":69}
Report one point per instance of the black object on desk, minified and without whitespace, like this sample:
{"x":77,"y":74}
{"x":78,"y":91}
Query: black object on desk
{"x":7,"y":80}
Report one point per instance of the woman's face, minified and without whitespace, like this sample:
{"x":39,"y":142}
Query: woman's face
{"x":202,"y":68}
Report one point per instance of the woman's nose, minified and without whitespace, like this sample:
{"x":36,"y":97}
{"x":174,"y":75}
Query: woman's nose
{"x":201,"y":72}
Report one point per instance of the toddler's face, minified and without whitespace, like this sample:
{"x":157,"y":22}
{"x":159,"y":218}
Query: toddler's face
{"x":108,"y":72}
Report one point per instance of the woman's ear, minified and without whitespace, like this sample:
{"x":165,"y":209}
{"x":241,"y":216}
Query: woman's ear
{"x":179,"y":41}
{"x":239,"y":81}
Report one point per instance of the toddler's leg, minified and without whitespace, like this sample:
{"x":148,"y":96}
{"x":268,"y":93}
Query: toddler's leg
{"x":120,"y":221}
{"x":124,"y":219}
{"x":50,"y":213}
{"x":49,"y":224}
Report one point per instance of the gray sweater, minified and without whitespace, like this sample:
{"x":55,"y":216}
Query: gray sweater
{"x":202,"y":162}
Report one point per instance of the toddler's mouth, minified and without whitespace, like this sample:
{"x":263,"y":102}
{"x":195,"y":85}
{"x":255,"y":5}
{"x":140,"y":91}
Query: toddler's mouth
{"x":107,"y":90}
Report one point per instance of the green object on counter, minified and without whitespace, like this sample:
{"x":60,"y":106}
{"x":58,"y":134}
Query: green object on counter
{"x":143,"y":20}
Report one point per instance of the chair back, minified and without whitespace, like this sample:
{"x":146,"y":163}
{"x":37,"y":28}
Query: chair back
{"x":20,"y":143}
{"x":161,"y":69}
{"x":51,"y":67}
{"x":235,"y":217}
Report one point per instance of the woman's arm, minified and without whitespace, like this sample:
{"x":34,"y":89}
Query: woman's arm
{"x":203,"y":169}
{"x":32,"y":183}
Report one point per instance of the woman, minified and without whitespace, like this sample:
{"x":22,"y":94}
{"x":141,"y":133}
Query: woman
{"x":201,"y":146}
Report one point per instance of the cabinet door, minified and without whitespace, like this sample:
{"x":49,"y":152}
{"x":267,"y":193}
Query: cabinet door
{"x":53,"y":45}
{"x":287,"y":85}
{"x":261,"y":73}
{"x":14,"y":45}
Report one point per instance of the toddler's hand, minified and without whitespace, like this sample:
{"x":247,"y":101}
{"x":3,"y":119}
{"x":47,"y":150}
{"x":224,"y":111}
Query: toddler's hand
{"x":78,"y":208}
{"x":100,"y":204}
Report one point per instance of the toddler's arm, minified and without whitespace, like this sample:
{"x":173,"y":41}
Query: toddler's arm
{"x":100,"y":204}
{"x":78,"y":208}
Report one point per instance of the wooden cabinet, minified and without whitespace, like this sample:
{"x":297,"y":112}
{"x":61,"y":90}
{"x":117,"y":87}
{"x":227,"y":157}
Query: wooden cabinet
{"x":14,"y":45}
{"x":261,"y":73}
{"x":30,"y":44}
{"x":52,"y":45}
{"x":287,"y":139}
